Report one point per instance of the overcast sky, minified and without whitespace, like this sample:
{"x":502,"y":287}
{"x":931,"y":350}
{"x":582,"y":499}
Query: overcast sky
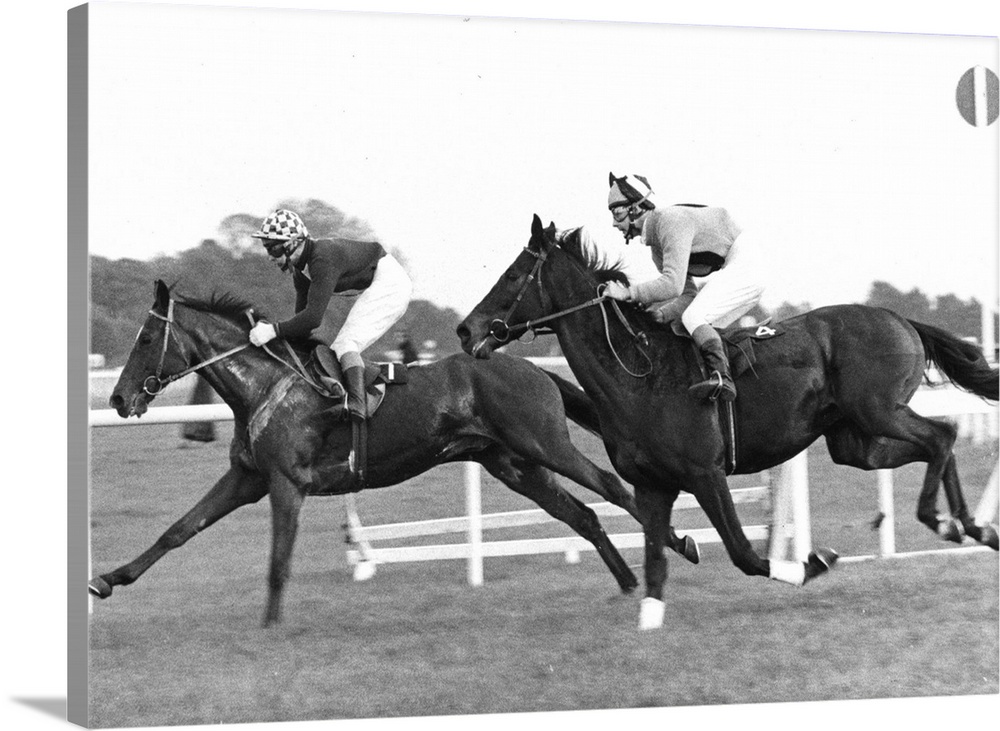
{"x":844,"y":151}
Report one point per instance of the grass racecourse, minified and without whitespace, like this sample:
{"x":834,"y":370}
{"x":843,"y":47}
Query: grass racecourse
{"x":184,"y":645}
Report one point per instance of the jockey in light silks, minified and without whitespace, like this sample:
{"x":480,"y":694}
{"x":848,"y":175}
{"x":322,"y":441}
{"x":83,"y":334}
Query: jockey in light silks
{"x":320,"y":268}
{"x":709,"y":272}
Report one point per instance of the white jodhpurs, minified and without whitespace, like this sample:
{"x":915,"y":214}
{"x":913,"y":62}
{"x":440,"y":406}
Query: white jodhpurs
{"x":731,"y":292}
{"x":377,"y":308}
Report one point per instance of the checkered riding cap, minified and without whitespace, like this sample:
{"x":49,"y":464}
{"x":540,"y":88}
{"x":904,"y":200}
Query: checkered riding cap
{"x":282,"y":225}
{"x":629,"y":190}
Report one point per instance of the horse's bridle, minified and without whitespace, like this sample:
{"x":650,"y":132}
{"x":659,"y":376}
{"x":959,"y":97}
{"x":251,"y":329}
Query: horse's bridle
{"x":155,"y":384}
{"x":501,"y":331}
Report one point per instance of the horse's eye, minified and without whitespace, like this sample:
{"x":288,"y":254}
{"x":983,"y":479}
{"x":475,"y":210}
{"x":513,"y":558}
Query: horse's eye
{"x":145,"y":339}
{"x":513,"y":274}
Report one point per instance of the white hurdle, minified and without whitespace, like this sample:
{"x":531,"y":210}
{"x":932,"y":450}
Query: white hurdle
{"x":364,"y":557}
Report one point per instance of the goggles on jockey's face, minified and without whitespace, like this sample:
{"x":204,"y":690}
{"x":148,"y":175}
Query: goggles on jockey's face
{"x":621,"y":213}
{"x":275,"y":249}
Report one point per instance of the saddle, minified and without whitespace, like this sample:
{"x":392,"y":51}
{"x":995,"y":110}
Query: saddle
{"x":739,"y":344}
{"x":325,"y":374}
{"x":740,"y":351}
{"x":324,"y":370}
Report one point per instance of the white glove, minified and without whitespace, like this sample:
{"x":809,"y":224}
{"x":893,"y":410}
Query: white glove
{"x":617,"y":291}
{"x":262,"y":332}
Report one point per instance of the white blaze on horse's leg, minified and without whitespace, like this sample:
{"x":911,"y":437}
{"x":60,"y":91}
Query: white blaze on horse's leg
{"x":651,"y":613}
{"x":790,"y":572}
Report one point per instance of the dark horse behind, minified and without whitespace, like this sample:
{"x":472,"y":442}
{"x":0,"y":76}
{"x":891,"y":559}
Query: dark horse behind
{"x":845,"y":373}
{"x":507,"y":416}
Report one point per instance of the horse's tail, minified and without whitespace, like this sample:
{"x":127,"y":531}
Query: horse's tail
{"x":963,"y":363}
{"x":579,"y":407}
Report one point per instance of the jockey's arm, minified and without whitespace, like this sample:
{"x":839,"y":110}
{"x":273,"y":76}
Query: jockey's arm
{"x":325,"y":276}
{"x":670,"y":240}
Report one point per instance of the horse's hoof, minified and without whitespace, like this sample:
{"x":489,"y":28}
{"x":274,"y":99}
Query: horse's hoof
{"x":651,"y":613}
{"x":989,"y":537}
{"x":949,"y":531}
{"x":691,"y":551}
{"x":820,"y":561}
{"x":99,"y":588}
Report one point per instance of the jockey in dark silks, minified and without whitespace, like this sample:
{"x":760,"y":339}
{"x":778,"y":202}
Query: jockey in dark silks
{"x":709,"y":271}
{"x":321,"y":268}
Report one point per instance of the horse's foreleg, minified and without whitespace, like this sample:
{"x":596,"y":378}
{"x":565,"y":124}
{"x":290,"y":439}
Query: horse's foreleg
{"x":236,"y":488}
{"x":655,"y":507}
{"x":286,"y":503}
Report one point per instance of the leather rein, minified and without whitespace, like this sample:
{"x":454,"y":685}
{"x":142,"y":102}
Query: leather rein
{"x":501,"y":331}
{"x":155,"y":384}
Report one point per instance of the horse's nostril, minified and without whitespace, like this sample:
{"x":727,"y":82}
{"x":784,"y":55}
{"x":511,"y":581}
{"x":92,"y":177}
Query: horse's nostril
{"x":116,"y":401}
{"x":463,"y":332}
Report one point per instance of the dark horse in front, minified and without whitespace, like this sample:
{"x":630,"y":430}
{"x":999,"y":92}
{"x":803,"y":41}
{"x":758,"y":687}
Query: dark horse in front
{"x":845,"y":373}
{"x":508,"y":416}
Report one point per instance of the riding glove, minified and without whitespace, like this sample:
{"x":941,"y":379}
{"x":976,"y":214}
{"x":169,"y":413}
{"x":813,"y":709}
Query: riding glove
{"x":617,"y":291}
{"x":261,"y":333}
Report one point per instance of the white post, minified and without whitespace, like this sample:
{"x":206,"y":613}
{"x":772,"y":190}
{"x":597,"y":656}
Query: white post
{"x":887,"y":530}
{"x":798,"y":468}
{"x":782,"y":529}
{"x":988,"y":341}
{"x":980,"y":99}
{"x":790,"y":511}
{"x":986,"y":511}
{"x":474,"y":509}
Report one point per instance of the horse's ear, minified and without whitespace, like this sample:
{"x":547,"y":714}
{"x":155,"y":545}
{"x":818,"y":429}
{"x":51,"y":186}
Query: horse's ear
{"x":536,"y":226}
{"x":162,"y":296}
{"x":611,"y":178}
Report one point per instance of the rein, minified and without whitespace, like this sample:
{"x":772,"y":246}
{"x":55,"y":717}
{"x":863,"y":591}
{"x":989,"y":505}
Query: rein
{"x":154,"y":384}
{"x":502,"y":332}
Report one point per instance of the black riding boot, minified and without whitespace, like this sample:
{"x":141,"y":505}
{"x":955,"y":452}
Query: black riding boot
{"x":357,"y":407}
{"x":719,"y":384}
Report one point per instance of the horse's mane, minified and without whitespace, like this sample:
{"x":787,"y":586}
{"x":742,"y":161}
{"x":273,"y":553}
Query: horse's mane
{"x":224,"y":304}
{"x":575,"y":244}
{"x":586,"y":253}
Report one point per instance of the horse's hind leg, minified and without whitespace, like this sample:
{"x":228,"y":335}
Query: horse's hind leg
{"x":985,"y":534}
{"x":538,"y":484}
{"x":896,"y":437}
{"x":236,"y":488}
{"x":561,"y":456}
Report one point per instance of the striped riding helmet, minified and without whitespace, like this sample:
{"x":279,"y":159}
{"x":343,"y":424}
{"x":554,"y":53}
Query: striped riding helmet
{"x":630,"y":190}
{"x":282,"y":225}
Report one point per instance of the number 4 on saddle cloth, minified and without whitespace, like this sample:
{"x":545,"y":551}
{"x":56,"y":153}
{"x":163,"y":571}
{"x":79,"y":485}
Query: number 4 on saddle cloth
{"x":739,"y":349}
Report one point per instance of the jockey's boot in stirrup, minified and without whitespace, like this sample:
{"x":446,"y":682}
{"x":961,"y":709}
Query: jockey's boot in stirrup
{"x":357,"y":407}
{"x":357,"y":402}
{"x":719,"y":384}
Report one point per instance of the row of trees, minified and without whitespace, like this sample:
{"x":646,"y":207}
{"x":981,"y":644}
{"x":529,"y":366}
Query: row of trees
{"x":122,"y":290}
